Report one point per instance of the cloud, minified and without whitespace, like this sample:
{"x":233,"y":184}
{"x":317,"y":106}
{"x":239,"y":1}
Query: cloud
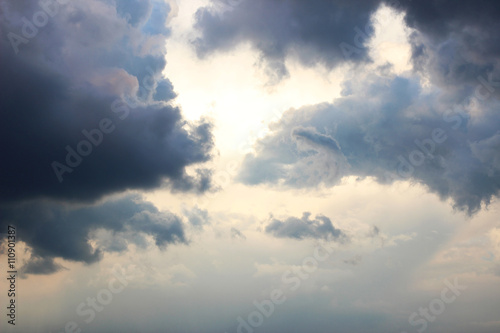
{"x":39,"y":265}
{"x":197,"y":217}
{"x":87,"y":113}
{"x":354,"y":261}
{"x":304,"y":227}
{"x":95,"y":118}
{"x":454,"y":42}
{"x":389,"y":128}
{"x":60,"y":230}
{"x":374,"y":232}
{"x":236,"y":234}
{"x":310,"y":32}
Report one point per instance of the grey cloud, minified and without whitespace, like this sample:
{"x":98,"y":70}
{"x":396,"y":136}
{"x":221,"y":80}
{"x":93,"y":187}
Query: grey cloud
{"x":197,"y":217}
{"x":488,"y":152}
{"x":473,"y":24}
{"x":304,"y":227}
{"x":354,"y":261}
{"x":496,"y":270}
{"x":88,"y":57}
{"x":40,"y":265}
{"x":320,"y":160}
{"x":110,"y":241}
{"x":377,"y":129}
{"x":236,"y":234}
{"x":375,"y":232}
{"x":135,"y":12}
{"x":310,"y":136}
{"x":60,"y":230}
{"x":91,"y":62}
{"x":310,"y":30}
{"x":454,"y":41}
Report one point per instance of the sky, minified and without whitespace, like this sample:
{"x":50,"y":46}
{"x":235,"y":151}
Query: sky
{"x":221,"y":166}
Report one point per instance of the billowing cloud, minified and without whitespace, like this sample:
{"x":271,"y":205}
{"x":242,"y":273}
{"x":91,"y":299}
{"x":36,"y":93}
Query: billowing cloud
{"x":40,"y":265}
{"x":389,"y":128}
{"x":85,"y":107}
{"x":58,"y":230}
{"x":454,"y":41}
{"x":197,"y":217}
{"x":299,"y":228}
{"x":311,"y":31}
{"x":87,"y":113}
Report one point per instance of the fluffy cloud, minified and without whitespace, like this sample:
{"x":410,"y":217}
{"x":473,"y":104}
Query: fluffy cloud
{"x":390,"y":128}
{"x":40,"y":265}
{"x":454,"y":41}
{"x":197,"y":217}
{"x":58,"y":230}
{"x":304,"y":227}
{"x":87,"y":113}
{"x":80,"y":65}
{"x":311,"y":31}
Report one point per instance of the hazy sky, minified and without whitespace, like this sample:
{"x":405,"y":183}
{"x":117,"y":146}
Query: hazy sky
{"x":251,"y":165}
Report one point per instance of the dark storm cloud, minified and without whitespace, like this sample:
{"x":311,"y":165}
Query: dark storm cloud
{"x":472,"y":23}
{"x":455,"y":41}
{"x":59,"y":230}
{"x":391,"y":129}
{"x":45,"y":124}
{"x":304,"y":227}
{"x":310,"y":30}
{"x":64,"y":86}
{"x":86,"y":113}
